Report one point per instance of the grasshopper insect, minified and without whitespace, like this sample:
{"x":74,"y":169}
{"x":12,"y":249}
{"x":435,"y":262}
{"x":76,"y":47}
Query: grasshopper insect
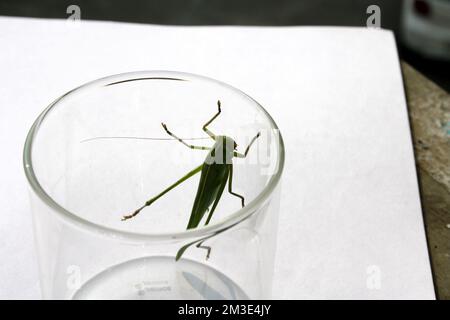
{"x":216,"y":171}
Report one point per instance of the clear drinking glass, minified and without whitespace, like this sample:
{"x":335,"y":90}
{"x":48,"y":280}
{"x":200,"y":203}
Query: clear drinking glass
{"x":81,"y":188}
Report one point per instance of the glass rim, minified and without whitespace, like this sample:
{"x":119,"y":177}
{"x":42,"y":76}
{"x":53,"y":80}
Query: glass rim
{"x":205,"y":231}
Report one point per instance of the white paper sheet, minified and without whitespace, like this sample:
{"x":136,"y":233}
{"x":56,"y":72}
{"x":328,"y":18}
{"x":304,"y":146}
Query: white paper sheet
{"x":350,"y":224}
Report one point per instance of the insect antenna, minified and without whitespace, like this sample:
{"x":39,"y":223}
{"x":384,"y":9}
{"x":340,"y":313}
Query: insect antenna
{"x":139,"y":138}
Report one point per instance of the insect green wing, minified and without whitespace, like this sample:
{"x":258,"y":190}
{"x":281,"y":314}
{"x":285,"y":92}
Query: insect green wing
{"x":212,"y":183}
{"x":196,"y":216}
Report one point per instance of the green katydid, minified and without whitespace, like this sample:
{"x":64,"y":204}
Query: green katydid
{"x":216,"y":171}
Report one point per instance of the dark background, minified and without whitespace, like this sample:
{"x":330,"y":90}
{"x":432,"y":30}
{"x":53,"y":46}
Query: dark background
{"x":236,"y":12}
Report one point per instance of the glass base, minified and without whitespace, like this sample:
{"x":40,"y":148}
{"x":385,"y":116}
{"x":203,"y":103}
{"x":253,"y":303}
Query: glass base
{"x":158,"y":278}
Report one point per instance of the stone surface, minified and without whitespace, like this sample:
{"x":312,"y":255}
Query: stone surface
{"x":429,"y":112}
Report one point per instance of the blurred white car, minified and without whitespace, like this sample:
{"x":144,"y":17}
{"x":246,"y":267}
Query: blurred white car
{"x":425,"y":27}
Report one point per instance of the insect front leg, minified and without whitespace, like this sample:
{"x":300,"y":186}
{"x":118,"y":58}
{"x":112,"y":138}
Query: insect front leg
{"x":179,"y":139}
{"x":212,"y":119}
{"x":240,"y":155}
